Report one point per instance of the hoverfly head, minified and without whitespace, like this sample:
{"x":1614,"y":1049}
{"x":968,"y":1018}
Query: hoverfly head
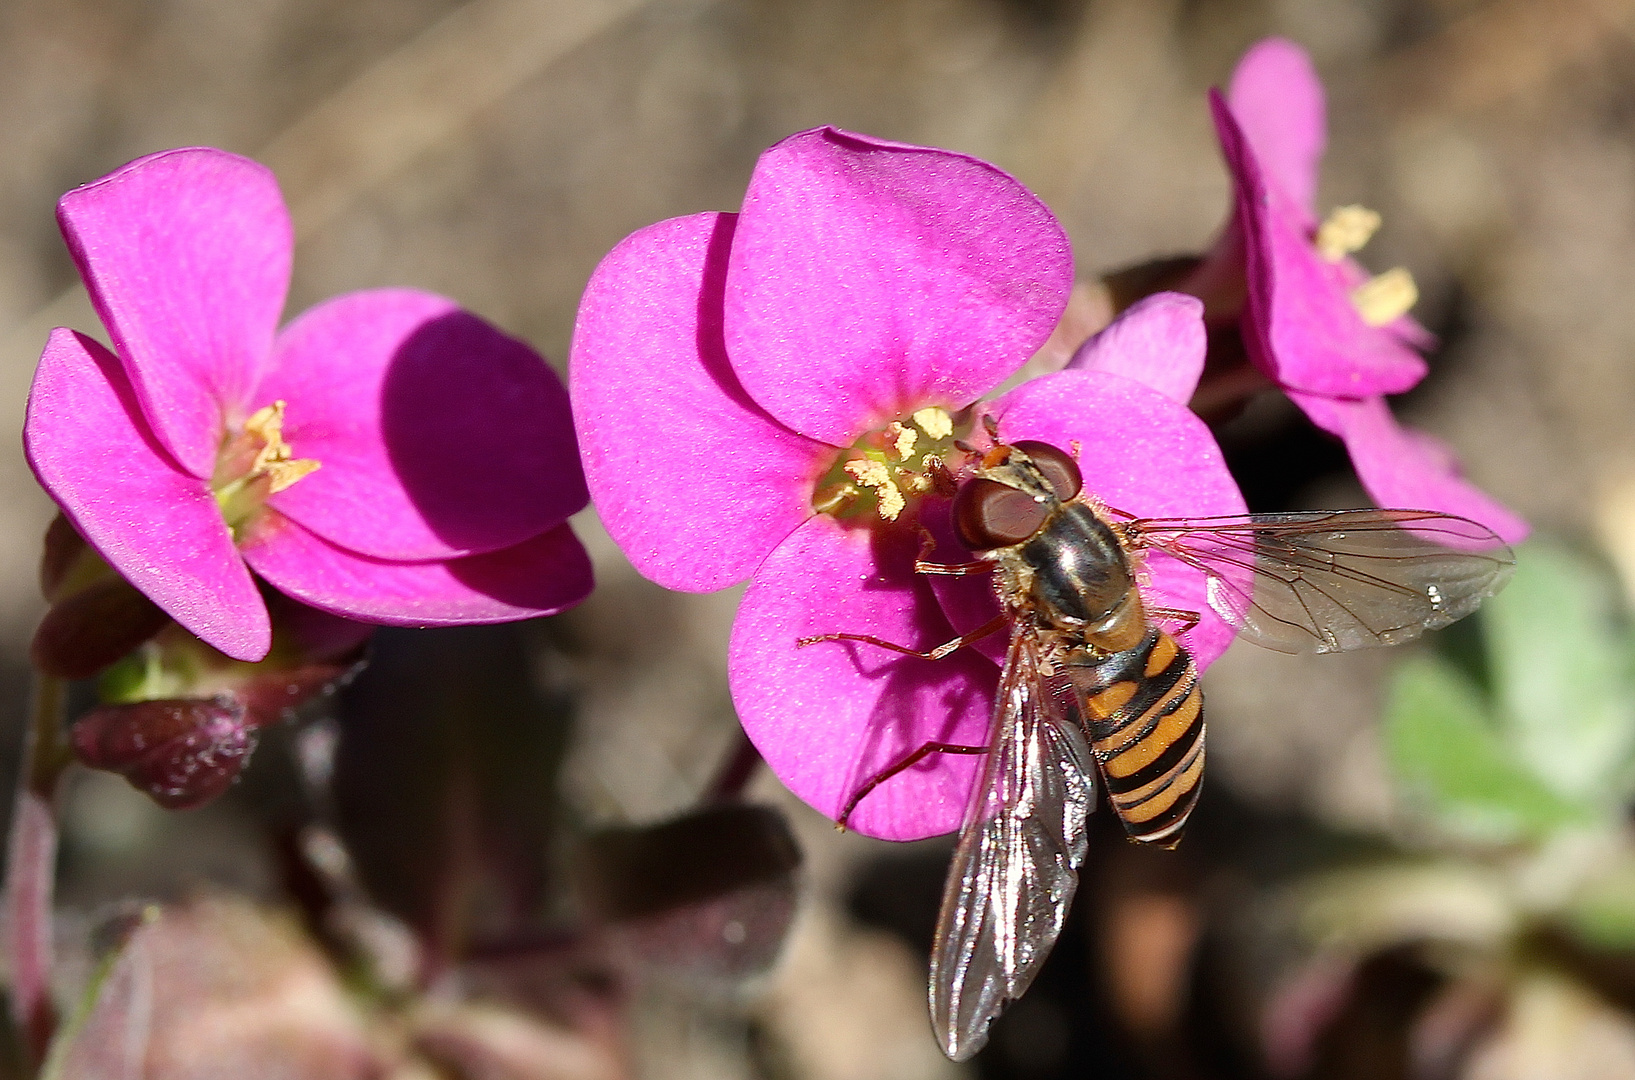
{"x":1015,"y":489}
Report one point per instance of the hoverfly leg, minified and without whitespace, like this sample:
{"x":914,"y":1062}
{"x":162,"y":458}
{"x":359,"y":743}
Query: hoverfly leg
{"x":923,"y":564}
{"x":908,"y":762}
{"x":946,"y":648}
{"x":1187,"y":619}
{"x":959,"y":569}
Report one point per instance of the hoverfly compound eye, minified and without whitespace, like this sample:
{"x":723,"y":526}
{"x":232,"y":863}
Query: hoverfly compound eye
{"x":989,"y":515}
{"x":1059,"y":468}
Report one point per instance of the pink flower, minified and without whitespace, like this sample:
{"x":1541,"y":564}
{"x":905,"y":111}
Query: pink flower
{"x":757,"y":394}
{"x":387,"y":456}
{"x":1313,"y":320}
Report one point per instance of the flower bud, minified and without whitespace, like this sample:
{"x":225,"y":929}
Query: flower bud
{"x":92,"y":627}
{"x":182,"y":752}
{"x":60,"y":554}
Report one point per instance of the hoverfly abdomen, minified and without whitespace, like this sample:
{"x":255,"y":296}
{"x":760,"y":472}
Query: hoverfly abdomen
{"x":1143,"y":711}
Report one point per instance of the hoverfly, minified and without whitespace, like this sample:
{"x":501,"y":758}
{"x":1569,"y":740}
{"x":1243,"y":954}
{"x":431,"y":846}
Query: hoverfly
{"x":1091,"y":684}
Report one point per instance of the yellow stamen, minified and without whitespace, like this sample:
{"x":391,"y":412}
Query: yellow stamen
{"x":274,"y":459}
{"x":1347,"y":230}
{"x":935,"y":422}
{"x":1385,"y":297}
{"x":833,"y":498}
{"x":874,"y":474}
{"x":281,"y":474}
{"x":267,"y":424}
{"x":902,"y":440}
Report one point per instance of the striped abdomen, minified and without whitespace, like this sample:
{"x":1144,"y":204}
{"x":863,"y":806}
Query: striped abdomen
{"x":1143,"y":712}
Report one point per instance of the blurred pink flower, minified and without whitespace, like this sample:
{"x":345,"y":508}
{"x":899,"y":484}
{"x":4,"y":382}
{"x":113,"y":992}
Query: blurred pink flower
{"x":387,"y":456}
{"x":1313,"y":320}
{"x":757,"y":393}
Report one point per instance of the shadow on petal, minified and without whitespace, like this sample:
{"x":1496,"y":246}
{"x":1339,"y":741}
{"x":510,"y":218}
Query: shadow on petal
{"x":477,"y":427}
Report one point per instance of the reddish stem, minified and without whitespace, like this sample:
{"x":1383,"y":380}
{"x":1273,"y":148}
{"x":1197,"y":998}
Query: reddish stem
{"x":31,"y":861}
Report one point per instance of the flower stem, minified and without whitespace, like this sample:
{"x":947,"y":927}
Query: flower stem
{"x":31,"y":859}
{"x":48,"y":750}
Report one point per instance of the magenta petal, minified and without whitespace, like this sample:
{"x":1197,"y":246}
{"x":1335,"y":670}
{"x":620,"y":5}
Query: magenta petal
{"x":1159,"y":340}
{"x":869,"y":279}
{"x":438,"y":435}
{"x":187,"y":258}
{"x":1407,"y":469}
{"x":1144,"y":454}
{"x":829,"y":716}
{"x":1299,"y":324}
{"x":541,"y":576}
{"x":1278,"y":99}
{"x":693,"y":480}
{"x":159,"y":526}
{"x":969,"y":602}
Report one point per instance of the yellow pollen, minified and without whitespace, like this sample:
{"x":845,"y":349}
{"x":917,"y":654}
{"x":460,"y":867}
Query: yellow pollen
{"x":902,"y":440}
{"x":274,"y":460}
{"x":874,"y":474}
{"x":281,"y":474}
{"x":935,"y":422}
{"x":1385,"y":297}
{"x":1347,"y":230}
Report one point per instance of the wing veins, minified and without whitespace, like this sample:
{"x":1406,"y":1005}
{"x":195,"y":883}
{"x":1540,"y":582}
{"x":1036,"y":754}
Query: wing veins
{"x":1014,"y":870}
{"x":1335,"y":580}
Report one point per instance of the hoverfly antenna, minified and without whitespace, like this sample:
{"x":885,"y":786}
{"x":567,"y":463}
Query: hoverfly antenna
{"x":991,"y":426}
{"x":942,"y":480}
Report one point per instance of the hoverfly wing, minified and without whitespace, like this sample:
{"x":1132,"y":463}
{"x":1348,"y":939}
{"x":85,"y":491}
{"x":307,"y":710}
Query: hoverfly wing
{"x":1334,"y":580}
{"x":1014,"y":871}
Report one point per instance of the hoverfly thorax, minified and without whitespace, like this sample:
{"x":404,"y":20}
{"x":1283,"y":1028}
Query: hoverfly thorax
{"x":1059,"y":562}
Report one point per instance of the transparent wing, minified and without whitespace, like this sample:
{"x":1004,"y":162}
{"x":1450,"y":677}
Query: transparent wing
{"x":1014,"y":871}
{"x":1334,"y":580}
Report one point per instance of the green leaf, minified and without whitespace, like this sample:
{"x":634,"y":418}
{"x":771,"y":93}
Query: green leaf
{"x":1561,"y":677}
{"x":1443,"y":746}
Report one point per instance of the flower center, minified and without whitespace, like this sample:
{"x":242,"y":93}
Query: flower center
{"x":1383,"y":298}
{"x":254,"y":464}
{"x":887,"y":468}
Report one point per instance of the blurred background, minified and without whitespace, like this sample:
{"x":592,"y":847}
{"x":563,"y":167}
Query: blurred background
{"x":493,"y":150}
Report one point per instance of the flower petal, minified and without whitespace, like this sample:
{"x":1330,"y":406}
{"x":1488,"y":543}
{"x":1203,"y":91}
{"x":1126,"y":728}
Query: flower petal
{"x":869,"y":279}
{"x":187,"y":258}
{"x":694,"y":481}
{"x":439,"y":436}
{"x":1299,"y":323}
{"x":829,"y":716}
{"x":969,"y":601}
{"x":90,"y":447}
{"x":540,"y":576}
{"x":1407,"y":469}
{"x":1159,"y":340}
{"x":1141,"y":453}
{"x":1279,"y":101}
